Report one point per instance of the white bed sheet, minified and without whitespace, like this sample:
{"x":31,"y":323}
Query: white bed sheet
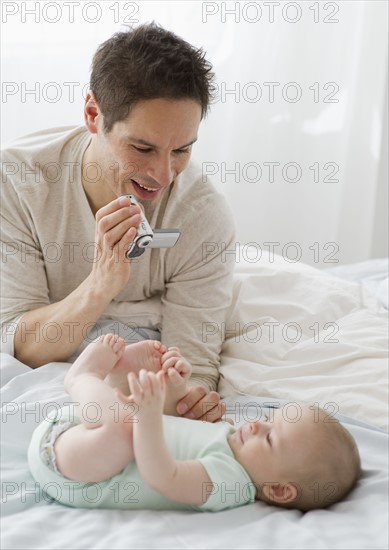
{"x":297,"y":333}
{"x":351,"y":373}
{"x":372,"y":274}
{"x":30,"y":522}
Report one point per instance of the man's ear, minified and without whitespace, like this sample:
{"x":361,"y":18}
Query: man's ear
{"x":280,"y":493}
{"x":91,"y":112}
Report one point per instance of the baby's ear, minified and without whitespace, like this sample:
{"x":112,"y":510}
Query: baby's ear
{"x":280,"y":493}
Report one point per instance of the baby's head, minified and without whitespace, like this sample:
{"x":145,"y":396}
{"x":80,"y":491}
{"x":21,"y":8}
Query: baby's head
{"x":301,"y":457}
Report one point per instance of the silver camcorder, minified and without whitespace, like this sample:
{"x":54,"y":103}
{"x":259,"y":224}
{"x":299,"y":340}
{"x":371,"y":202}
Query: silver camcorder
{"x":147,"y":238}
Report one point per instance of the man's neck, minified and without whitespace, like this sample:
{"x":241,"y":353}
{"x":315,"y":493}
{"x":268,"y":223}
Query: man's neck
{"x":98,"y":192}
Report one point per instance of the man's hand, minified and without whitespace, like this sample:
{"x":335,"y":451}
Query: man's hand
{"x":116,"y":225}
{"x":200,"y":405}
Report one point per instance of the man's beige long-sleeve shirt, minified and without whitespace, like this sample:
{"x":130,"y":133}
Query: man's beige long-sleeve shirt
{"x":47,"y":234}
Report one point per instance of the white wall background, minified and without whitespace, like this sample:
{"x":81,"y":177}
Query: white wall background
{"x":325,"y":127}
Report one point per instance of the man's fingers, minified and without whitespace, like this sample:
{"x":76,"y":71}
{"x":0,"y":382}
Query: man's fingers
{"x":207,"y":410}
{"x":108,"y":222}
{"x":127,"y":239}
{"x":110,"y":237}
{"x":193,"y":396}
{"x":199,"y":405}
{"x":113,"y":206}
{"x":114,"y":220}
{"x":214,"y":414}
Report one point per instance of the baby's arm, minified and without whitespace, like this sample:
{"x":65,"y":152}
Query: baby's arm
{"x":184,"y":481}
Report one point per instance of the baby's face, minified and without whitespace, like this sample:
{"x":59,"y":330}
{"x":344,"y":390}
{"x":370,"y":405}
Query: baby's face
{"x":273,"y":449}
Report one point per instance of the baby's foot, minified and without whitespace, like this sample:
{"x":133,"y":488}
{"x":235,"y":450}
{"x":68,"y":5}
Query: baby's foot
{"x":142,"y":355}
{"x":97,"y":359}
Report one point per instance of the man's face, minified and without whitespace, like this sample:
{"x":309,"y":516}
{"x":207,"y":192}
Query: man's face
{"x":144,"y":153}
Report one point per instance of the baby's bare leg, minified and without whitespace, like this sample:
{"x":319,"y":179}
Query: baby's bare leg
{"x":101,"y":446}
{"x":142,"y":355}
{"x":176,"y":386}
{"x":148,"y":355}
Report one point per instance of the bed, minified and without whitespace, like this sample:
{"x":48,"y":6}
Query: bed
{"x":294,"y":333}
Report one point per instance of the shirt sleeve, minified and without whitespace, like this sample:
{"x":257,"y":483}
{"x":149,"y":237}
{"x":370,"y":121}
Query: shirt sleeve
{"x":231,"y":485}
{"x":199,"y":291}
{"x":23,"y":283}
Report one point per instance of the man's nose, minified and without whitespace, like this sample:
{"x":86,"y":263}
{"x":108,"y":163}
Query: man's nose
{"x":162,"y":171}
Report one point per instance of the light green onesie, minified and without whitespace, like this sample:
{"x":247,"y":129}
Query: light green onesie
{"x":186,"y":439}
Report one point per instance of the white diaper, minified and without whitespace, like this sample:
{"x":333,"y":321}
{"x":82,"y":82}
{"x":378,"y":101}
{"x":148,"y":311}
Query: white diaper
{"x":47,"y":446}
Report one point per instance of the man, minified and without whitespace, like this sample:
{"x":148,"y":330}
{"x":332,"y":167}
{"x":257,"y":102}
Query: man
{"x":66,"y":225}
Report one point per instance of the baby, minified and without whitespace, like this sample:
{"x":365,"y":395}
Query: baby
{"x":121,"y":451}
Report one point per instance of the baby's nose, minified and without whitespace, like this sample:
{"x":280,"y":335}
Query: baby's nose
{"x":256,"y":426}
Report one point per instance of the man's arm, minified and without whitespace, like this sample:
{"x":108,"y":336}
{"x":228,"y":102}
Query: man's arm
{"x":184,"y":481}
{"x":199,"y":291}
{"x":36,"y":340}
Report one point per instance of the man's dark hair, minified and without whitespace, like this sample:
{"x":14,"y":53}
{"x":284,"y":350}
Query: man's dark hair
{"x":148,"y":62}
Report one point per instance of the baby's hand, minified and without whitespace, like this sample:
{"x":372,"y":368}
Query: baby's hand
{"x":172,"y":363}
{"x":148,"y":392}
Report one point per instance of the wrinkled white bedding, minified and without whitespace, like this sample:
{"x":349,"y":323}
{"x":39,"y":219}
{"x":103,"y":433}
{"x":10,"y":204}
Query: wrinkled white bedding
{"x":348,"y":377}
{"x":298,"y":333}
